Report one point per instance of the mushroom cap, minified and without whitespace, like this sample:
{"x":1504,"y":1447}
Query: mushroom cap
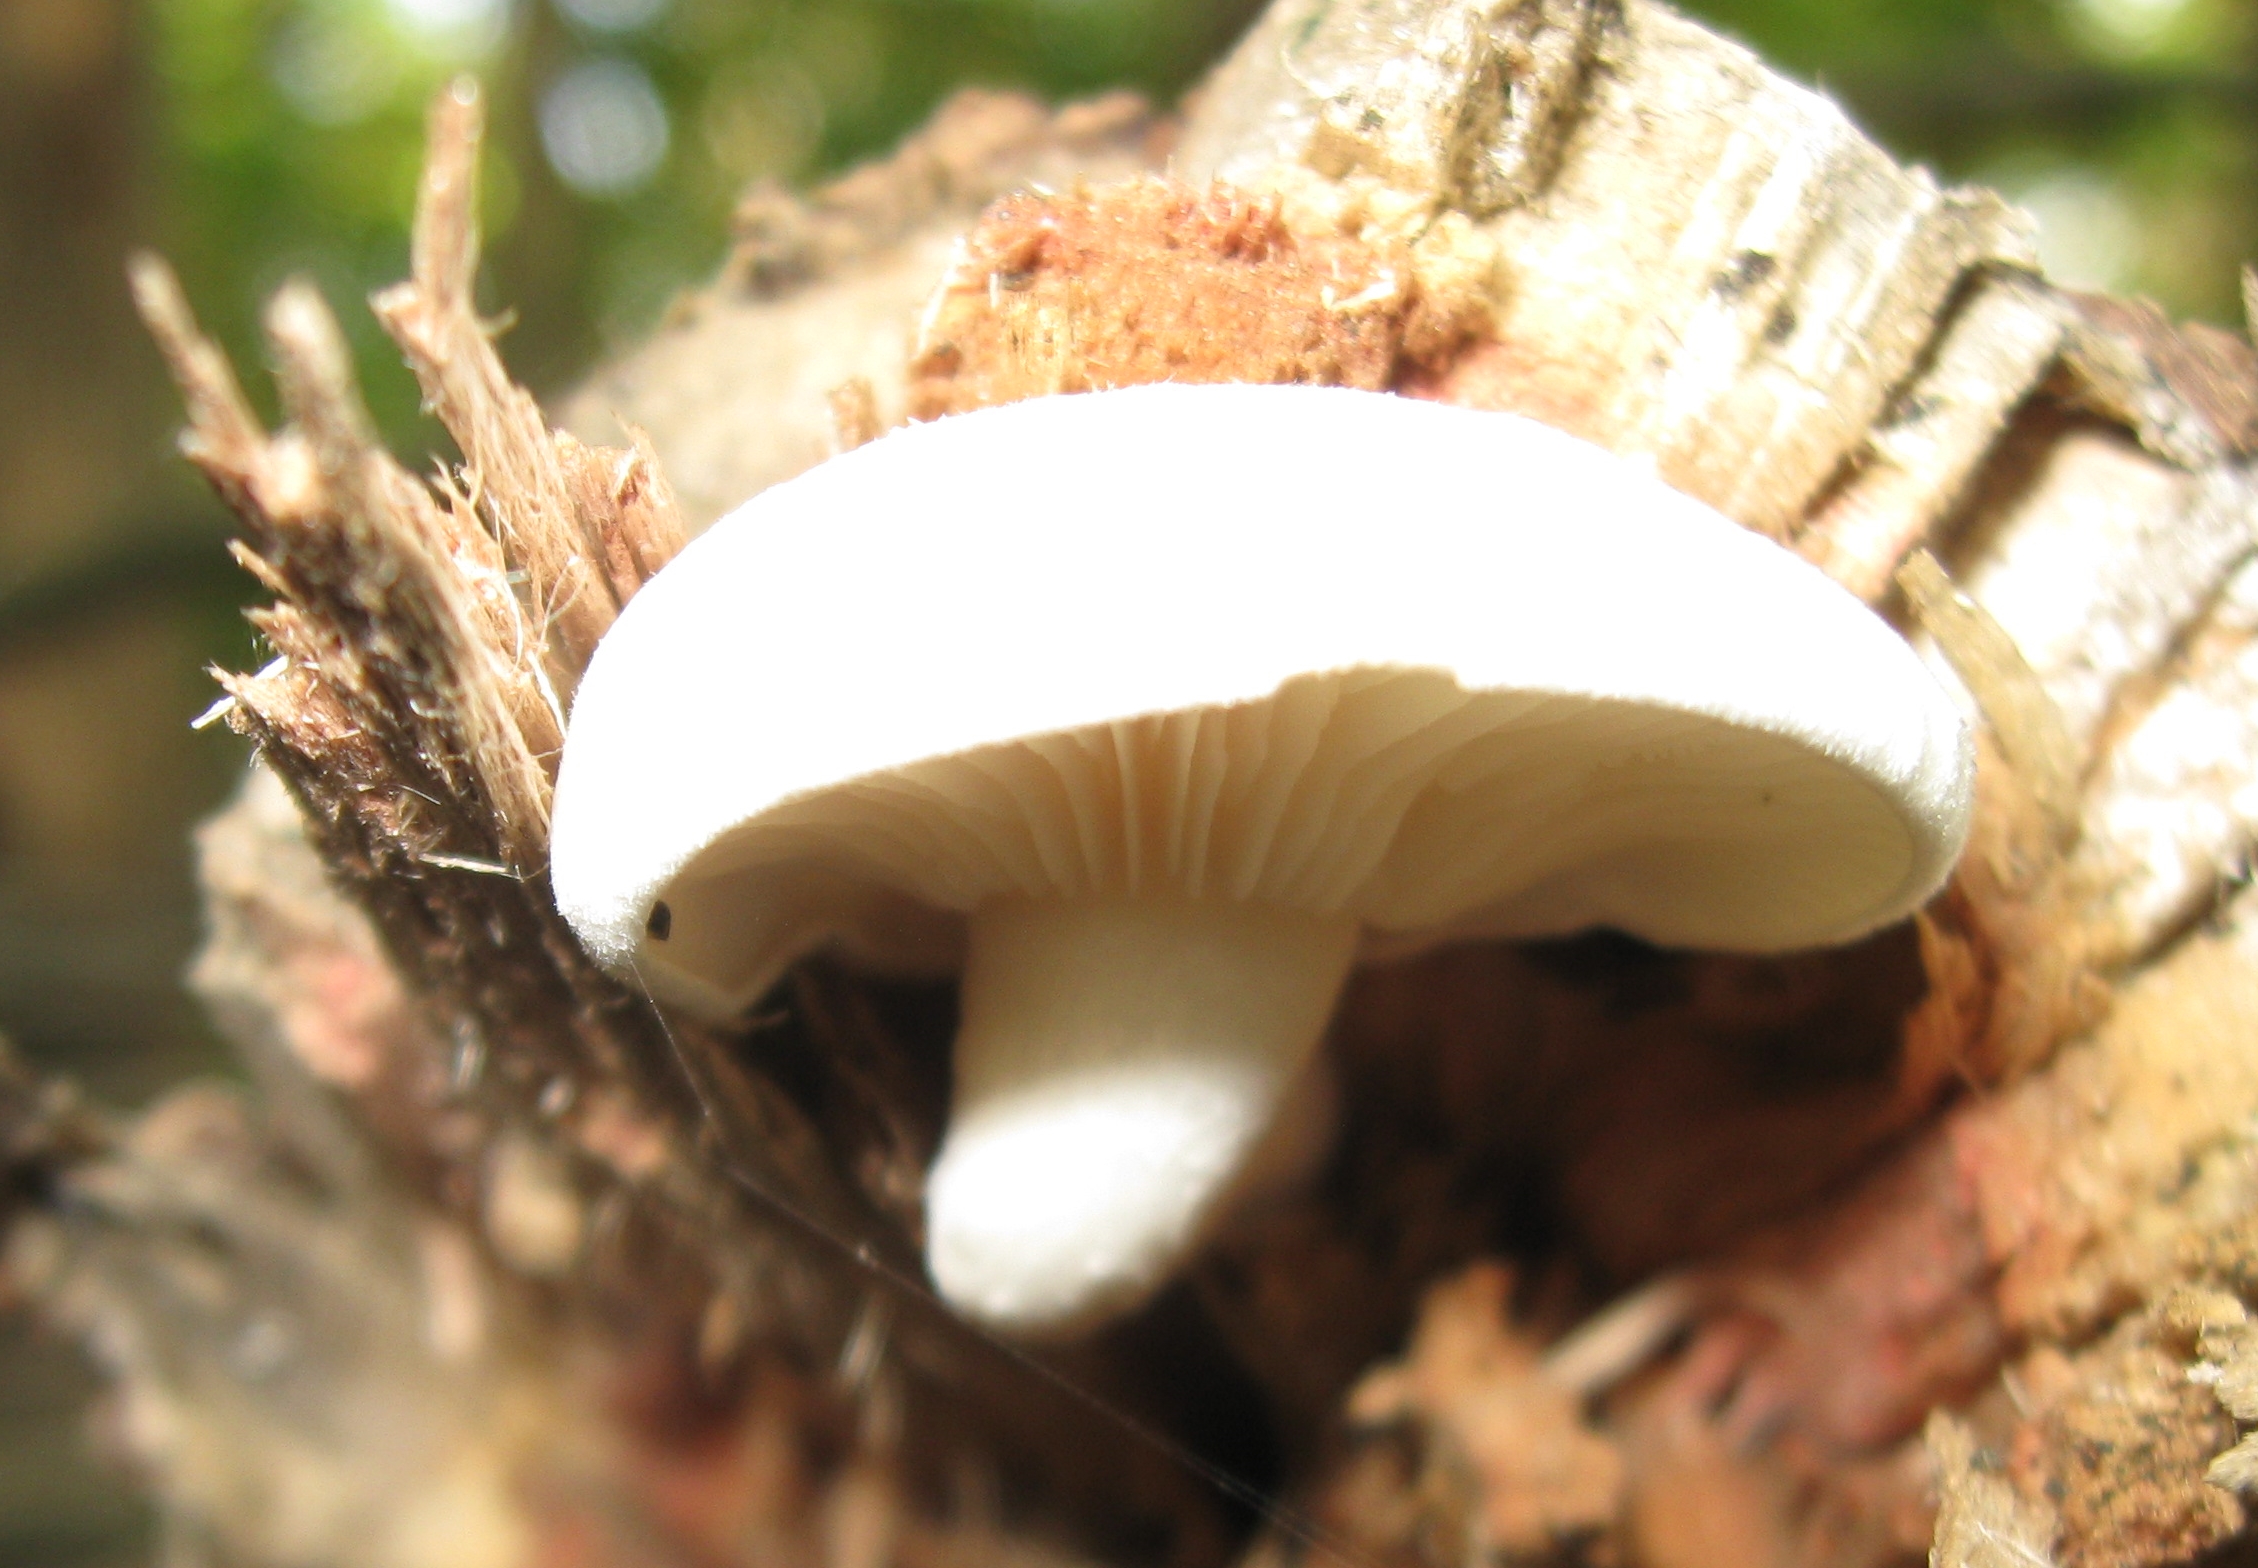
{"x":1449,"y":671}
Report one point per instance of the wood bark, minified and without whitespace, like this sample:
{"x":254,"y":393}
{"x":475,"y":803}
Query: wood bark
{"x":1937,"y":1244}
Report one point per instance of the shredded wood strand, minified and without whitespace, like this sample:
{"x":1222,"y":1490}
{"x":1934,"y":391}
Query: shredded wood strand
{"x":584,"y":537}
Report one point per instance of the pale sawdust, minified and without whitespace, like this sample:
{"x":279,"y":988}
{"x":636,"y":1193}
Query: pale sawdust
{"x":1982,"y":1522}
{"x":1478,"y":1384}
{"x":1146,"y":280}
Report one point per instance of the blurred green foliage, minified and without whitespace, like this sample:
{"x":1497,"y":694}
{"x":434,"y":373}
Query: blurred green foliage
{"x":290,"y":129}
{"x":623,"y":131}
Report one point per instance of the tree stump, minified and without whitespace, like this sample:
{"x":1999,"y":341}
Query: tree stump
{"x":1940,"y":1243}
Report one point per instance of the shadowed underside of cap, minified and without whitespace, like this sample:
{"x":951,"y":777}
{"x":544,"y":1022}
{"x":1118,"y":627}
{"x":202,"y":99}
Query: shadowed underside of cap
{"x":1391,"y":796}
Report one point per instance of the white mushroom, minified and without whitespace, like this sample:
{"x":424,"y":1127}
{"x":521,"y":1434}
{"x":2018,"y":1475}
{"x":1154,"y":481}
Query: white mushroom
{"x":1155,"y":709}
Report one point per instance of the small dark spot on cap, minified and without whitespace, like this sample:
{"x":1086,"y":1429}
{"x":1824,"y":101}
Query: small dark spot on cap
{"x":1780,"y":327}
{"x":661,"y":923}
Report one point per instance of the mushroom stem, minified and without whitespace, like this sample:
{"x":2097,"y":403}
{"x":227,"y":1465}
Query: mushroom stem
{"x":1118,"y":1061}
